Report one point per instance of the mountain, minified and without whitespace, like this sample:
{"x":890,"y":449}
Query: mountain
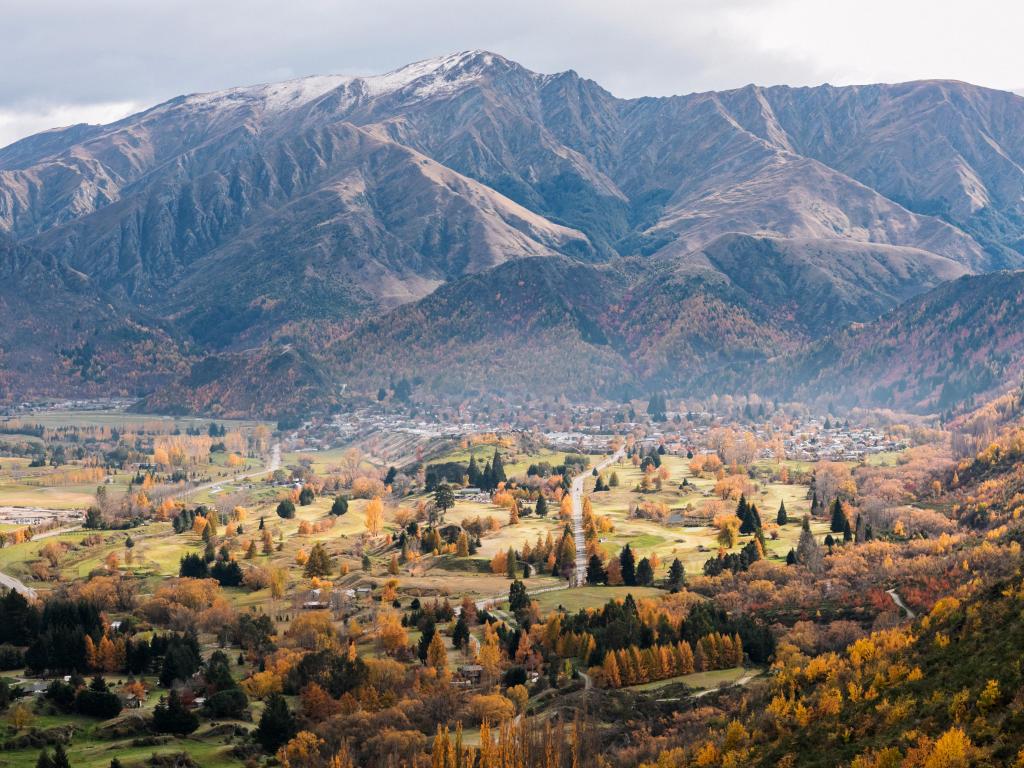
{"x":58,"y":333}
{"x":960,"y":340}
{"x":308,"y":215}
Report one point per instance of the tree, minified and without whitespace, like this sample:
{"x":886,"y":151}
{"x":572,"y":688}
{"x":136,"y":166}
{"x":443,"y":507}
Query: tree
{"x":460,"y":635}
{"x":627,"y":563}
{"x":286,"y":509}
{"x":496,"y":474}
{"x":782,"y":518}
{"x":374,"y":516}
{"x":319,"y":563}
{"x":751,"y":520}
{"x":444,"y":498}
{"x":277,"y":724}
{"x":510,"y":563}
{"x":728,"y":533}
{"x":676,"y":576}
{"x":428,"y":628}
{"x":839,"y":521}
{"x":595,"y":571}
{"x":437,"y":654}
{"x":193,"y":566}
{"x":20,"y":716}
{"x":519,"y":601}
{"x":171,"y":716}
{"x":93,"y":518}
{"x":808,"y":552}
{"x":542,"y":506}
{"x":340,"y":506}
{"x":306,"y":496}
{"x":97,"y":700}
{"x":644,"y":573}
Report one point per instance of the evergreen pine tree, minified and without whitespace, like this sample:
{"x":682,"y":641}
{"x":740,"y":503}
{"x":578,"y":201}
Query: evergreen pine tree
{"x":595,"y":571}
{"x":676,"y":576}
{"x":741,"y":508}
{"x":838,"y":517}
{"x":171,"y":716}
{"x":542,"y":506}
{"x":628,"y":565}
{"x":497,"y":469}
{"x":644,"y":573}
{"x":460,"y":635}
{"x":277,"y":724}
{"x":319,"y":563}
{"x":782,"y":517}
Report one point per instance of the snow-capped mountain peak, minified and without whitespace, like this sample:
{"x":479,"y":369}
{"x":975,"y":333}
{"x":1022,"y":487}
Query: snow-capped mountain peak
{"x":422,"y":79}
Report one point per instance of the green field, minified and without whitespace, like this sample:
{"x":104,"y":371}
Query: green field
{"x":699,"y":681}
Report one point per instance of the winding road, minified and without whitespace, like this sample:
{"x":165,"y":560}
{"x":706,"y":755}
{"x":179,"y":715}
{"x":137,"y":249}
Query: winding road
{"x":580,"y":574}
{"x":900,"y":604}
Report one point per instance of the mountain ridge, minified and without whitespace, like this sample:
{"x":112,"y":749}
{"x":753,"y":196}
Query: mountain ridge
{"x":258,"y":215}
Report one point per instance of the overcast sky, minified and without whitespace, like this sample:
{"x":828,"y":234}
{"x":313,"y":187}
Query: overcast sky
{"x":67,"y":61}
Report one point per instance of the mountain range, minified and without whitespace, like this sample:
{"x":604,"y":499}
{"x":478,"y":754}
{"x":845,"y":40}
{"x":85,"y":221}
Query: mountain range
{"x":483,"y":228}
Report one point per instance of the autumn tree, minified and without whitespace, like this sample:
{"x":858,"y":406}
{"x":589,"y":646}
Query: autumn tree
{"x":437,"y":654}
{"x":374,"y":516}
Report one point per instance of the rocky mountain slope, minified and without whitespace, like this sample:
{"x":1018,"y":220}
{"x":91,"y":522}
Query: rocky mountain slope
{"x":309,"y":215}
{"x":962,"y":339}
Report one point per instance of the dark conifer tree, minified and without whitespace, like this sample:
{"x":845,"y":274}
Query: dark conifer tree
{"x":542,"y":506}
{"x":277,"y":724}
{"x":782,"y":518}
{"x":628,"y":563}
{"x":676,"y":576}
{"x":497,"y":470}
{"x":839,"y":521}
{"x":644,"y":573}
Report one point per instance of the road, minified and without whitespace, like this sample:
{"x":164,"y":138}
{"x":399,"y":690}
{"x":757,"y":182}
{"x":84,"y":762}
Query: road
{"x":580,"y":574}
{"x":900,"y":604}
{"x":272,"y":466}
{"x":17,"y":585}
{"x":488,"y":603}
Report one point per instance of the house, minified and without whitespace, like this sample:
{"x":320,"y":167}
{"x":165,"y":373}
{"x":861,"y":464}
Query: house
{"x":131,"y":701}
{"x":315,"y":601}
{"x":471,"y":672}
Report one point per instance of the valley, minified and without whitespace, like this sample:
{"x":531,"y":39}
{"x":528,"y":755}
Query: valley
{"x":502,"y":577}
{"x":468,"y":416}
